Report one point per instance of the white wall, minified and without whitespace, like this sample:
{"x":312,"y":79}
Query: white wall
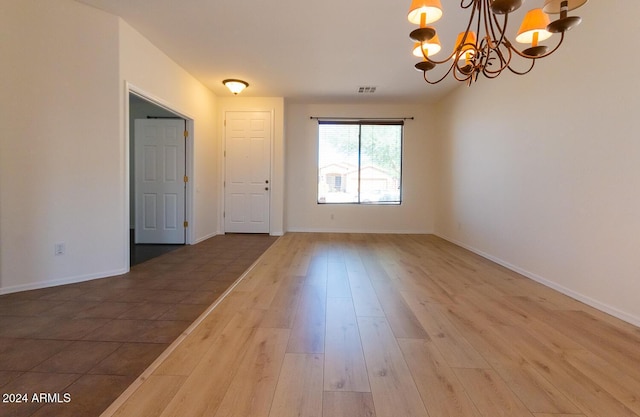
{"x":60,"y":164}
{"x":276,"y":106}
{"x":150,"y":71}
{"x":542,"y":172}
{"x":302,"y":213}
{"x":64,"y":150}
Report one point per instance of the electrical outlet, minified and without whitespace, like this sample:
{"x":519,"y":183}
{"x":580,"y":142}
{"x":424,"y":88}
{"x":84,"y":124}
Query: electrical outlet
{"x":59,"y":248}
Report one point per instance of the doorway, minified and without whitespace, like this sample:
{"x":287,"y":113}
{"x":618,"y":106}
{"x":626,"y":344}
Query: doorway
{"x":158,"y":187}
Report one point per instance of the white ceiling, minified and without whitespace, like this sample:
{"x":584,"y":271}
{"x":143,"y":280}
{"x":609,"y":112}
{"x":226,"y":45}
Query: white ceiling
{"x":299,"y":49}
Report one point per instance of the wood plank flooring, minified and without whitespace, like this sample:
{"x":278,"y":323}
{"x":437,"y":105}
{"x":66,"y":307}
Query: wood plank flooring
{"x":331,"y":325}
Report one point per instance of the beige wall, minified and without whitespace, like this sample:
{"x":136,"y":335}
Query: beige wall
{"x":542,"y":172}
{"x":302,"y":211}
{"x":60,"y":165}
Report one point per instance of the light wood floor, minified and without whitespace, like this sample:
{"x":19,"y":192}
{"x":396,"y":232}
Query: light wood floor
{"x":333,"y":325}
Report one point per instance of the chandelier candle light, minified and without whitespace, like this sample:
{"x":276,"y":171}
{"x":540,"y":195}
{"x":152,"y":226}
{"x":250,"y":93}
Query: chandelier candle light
{"x":491,"y":53}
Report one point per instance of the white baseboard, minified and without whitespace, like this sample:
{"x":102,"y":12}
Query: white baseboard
{"x":347,"y":230}
{"x":63,"y":281}
{"x":613,"y":311}
{"x":203,"y":238}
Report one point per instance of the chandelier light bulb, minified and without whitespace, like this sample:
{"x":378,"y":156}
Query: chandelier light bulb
{"x":430,"y":48}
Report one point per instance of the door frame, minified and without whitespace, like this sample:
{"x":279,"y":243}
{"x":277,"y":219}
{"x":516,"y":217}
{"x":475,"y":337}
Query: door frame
{"x":189,"y":150}
{"x":223,"y":202}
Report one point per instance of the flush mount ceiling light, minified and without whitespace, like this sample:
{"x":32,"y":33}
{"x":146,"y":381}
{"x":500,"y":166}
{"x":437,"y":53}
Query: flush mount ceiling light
{"x":235,"y":86}
{"x":490,"y":52}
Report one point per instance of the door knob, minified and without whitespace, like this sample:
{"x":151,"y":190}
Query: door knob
{"x":266,"y":188}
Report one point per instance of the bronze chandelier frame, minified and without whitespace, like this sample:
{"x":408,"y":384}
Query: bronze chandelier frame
{"x":494,"y":52}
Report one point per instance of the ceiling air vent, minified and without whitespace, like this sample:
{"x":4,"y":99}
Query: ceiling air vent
{"x":365,"y":90}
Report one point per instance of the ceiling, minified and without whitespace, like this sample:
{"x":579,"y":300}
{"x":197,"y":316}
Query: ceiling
{"x":297,"y":49}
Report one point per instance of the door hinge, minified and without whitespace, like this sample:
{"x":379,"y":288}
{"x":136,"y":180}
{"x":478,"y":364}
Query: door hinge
{"x":186,"y":178}
{"x":224,"y":214}
{"x":186,"y":133}
{"x":186,"y":224}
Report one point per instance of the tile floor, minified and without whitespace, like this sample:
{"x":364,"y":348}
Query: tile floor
{"x":142,"y":252}
{"x":92,"y":339}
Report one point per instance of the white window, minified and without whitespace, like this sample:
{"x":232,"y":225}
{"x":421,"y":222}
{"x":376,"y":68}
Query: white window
{"x":359,"y":162}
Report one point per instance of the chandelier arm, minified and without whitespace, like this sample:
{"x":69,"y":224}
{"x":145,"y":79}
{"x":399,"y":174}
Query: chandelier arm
{"x":432,"y":60}
{"x":466,"y":6}
{"x":442,"y":78}
{"x":457,"y":67}
{"x":463,"y":42}
{"x":491,"y":77}
{"x":502,"y":40}
{"x":488,"y":24}
{"x":482,"y":15}
{"x":467,"y":74}
{"x":533,"y":62}
{"x":477,"y":7}
{"x":494,"y":74}
{"x":465,"y":78}
{"x":489,"y":48}
{"x":502,"y":29}
{"x":504,"y":61}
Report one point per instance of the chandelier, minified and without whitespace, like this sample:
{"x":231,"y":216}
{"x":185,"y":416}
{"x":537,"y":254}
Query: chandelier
{"x":493,"y":52}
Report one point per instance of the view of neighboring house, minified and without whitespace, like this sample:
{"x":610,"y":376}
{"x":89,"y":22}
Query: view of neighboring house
{"x":339,"y":183}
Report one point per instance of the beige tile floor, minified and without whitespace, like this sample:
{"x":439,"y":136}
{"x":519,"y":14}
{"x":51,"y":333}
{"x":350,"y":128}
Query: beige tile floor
{"x":92,"y":339}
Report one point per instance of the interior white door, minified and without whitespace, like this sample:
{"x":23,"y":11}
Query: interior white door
{"x":159,"y":181}
{"x":247,"y":171}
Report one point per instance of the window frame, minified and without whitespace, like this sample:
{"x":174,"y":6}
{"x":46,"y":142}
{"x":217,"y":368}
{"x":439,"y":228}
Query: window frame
{"x":360,"y":123}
